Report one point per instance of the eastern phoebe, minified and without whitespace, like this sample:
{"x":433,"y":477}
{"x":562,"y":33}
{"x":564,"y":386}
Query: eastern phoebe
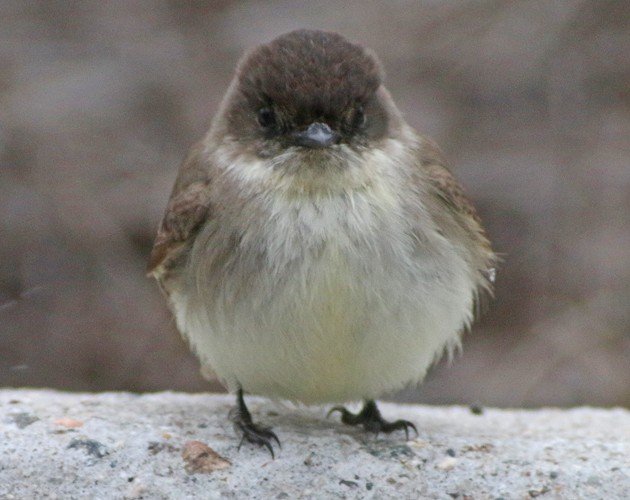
{"x":315,"y":247}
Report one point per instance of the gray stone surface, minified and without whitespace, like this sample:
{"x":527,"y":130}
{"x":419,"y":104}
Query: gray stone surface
{"x":119,"y":445}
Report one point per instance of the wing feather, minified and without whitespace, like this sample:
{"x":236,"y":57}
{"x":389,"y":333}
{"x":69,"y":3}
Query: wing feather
{"x":187,"y":210}
{"x":463,"y":220}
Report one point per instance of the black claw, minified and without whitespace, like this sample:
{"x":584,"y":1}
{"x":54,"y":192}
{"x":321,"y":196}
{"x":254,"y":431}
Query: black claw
{"x":340,"y":409}
{"x":372,"y":421}
{"x":400,"y":424}
{"x":269,"y":435}
{"x":346,"y":417}
{"x":251,"y":432}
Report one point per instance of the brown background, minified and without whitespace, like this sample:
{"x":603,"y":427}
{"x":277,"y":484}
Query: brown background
{"x":99,"y":102}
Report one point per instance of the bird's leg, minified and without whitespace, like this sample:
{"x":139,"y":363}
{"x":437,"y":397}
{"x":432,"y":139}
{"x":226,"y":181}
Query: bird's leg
{"x":247,"y":429}
{"x":372,"y":421}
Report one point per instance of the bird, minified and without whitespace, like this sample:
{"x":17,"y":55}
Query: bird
{"x":315,"y":247}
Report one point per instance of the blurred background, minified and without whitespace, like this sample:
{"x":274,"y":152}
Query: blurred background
{"x":530,"y":100}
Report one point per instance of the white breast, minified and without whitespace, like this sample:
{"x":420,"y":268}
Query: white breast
{"x":346,"y":305}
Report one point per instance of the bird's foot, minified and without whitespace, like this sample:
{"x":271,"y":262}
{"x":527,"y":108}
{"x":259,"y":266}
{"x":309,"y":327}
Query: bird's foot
{"x":372,"y":421}
{"x":248,"y":430}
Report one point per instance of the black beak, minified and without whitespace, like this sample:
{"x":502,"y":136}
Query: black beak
{"x":317,"y":135}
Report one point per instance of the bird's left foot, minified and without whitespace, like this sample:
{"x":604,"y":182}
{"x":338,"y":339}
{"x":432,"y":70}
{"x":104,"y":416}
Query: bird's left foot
{"x":372,"y":421}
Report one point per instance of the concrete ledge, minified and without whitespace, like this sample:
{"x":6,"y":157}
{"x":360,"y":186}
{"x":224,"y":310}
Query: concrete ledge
{"x":119,"y":445}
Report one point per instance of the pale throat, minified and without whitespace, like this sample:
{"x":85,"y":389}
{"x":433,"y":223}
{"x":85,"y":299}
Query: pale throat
{"x":293,"y":174}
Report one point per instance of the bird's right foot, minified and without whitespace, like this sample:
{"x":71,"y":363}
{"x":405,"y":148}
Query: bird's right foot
{"x":248,"y":430}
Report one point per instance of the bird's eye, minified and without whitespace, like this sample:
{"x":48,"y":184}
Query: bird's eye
{"x":358,"y":118}
{"x":266,"y":117}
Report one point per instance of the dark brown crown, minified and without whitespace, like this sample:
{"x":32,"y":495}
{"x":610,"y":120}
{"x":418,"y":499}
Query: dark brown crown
{"x":313,"y":70}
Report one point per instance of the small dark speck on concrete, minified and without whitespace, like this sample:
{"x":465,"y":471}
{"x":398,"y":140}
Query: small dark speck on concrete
{"x":349,"y":484}
{"x":476,"y":409}
{"x":369,"y":486}
{"x":308,"y":461}
{"x":92,"y":447}
{"x":450,"y":452}
{"x":553,"y":474}
{"x":23,"y":419}
{"x":202,"y":426}
{"x":130,"y":479}
{"x":453,"y":495}
{"x":393,"y":451}
{"x":156,"y":447}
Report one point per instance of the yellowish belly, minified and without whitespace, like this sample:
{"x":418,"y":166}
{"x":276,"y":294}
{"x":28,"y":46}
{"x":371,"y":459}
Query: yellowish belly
{"x":330,"y":334}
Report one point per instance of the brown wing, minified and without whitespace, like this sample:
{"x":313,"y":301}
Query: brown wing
{"x":443,"y":181}
{"x":449,"y":194}
{"x":188,"y":208}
